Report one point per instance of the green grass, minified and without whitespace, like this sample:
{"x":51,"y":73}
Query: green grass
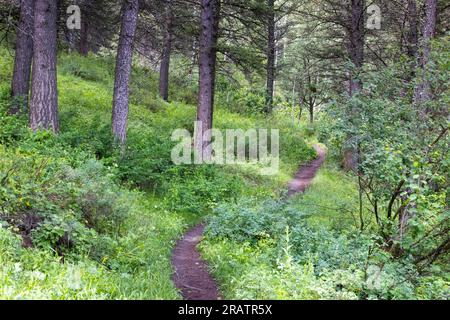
{"x":268,"y":269}
{"x":331,"y":200}
{"x":140,"y":204}
{"x":140,"y":265}
{"x":162,"y":200}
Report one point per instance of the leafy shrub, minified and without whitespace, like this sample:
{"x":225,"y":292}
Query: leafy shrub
{"x":146,"y":160}
{"x":199,"y":189}
{"x":87,"y":68}
{"x":13,"y":129}
{"x":252,"y":223}
{"x":246,"y":221}
{"x":56,"y":204}
{"x":269,"y":251}
{"x":265,"y":272}
{"x":64,"y":234}
{"x":244,"y":101}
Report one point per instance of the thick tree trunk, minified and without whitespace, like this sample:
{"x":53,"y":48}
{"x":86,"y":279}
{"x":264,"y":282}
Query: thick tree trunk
{"x":44,"y":95}
{"x":23,"y":57}
{"x":356,"y":43}
{"x":130,"y":10}
{"x":422,"y":92}
{"x":167,"y":49}
{"x":270,"y":55}
{"x":207,"y":72}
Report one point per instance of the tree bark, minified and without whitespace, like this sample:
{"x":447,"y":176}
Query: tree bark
{"x":356,"y":54}
{"x":194,"y":57}
{"x":130,"y":10}
{"x":167,"y":49}
{"x":83,"y":46}
{"x":412,"y":37}
{"x":44,"y":95}
{"x":270,"y":55}
{"x":207,"y":72}
{"x":311,"y":111}
{"x":23,"y":57}
{"x":356,"y":43}
{"x":422,"y":92}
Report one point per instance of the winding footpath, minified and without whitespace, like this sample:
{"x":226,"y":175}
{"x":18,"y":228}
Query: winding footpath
{"x":191,"y":274}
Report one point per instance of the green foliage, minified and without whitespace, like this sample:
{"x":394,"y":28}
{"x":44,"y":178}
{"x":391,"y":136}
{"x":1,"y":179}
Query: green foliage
{"x":245,"y":101}
{"x":403,"y":157}
{"x":93,"y":69}
{"x":269,"y":251}
{"x":133,"y":266}
{"x":71,"y":226}
{"x":246,"y":222}
{"x":201,"y":189}
{"x":58,"y":205}
{"x":332,"y":200}
{"x":326,"y":249}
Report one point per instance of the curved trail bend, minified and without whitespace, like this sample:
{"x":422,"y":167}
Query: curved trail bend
{"x":191,"y":274}
{"x":305,"y":175}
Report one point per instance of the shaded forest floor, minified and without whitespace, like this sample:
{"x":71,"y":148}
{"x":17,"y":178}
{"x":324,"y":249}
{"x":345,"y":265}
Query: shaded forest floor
{"x":121,"y":248}
{"x":107,"y":224}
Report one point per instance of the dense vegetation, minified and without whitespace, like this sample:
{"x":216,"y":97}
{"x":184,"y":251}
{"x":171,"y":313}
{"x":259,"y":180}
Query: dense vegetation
{"x":98,"y":225}
{"x":91,"y":203}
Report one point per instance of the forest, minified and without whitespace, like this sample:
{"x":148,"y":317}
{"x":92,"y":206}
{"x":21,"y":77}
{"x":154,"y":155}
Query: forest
{"x":224,"y":150}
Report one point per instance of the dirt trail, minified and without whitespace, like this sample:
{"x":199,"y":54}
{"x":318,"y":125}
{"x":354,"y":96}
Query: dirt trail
{"x":306,"y":174}
{"x":191,"y":274}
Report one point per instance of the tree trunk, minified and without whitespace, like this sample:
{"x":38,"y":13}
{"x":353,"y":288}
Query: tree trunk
{"x":207,"y":72}
{"x":311,"y":112}
{"x":412,"y":37}
{"x":356,"y":43}
{"x":194,"y":57}
{"x":23,"y":57}
{"x":44,"y":95}
{"x":167,"y":49}
{"x":356,"y":54}
{"x":83,"y":47}
{"x":422,"y":92}
{"x":270,"y":55}
{"x":70,"y":38}
{"x":130,"y":10}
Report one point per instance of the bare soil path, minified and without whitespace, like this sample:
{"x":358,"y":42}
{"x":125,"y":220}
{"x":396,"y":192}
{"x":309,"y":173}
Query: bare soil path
{"x":191,"y":274}
{"x":306,"y":173}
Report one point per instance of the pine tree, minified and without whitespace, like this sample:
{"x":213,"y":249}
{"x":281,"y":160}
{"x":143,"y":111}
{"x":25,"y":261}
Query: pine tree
{"x":44,"y":96}
{"x":130,"y":11}
{"x":23,"y":57}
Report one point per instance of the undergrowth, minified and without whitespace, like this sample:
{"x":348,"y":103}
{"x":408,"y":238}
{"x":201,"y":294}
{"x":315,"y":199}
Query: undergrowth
{"x":81,"y":221}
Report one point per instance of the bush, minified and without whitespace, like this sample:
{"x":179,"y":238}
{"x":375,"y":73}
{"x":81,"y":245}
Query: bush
{"x":199,"y":189}
{"x":87,"y":68}
{"x":51,"y":203}
{"x":269,"y":251}
{"x":247,"y":221}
